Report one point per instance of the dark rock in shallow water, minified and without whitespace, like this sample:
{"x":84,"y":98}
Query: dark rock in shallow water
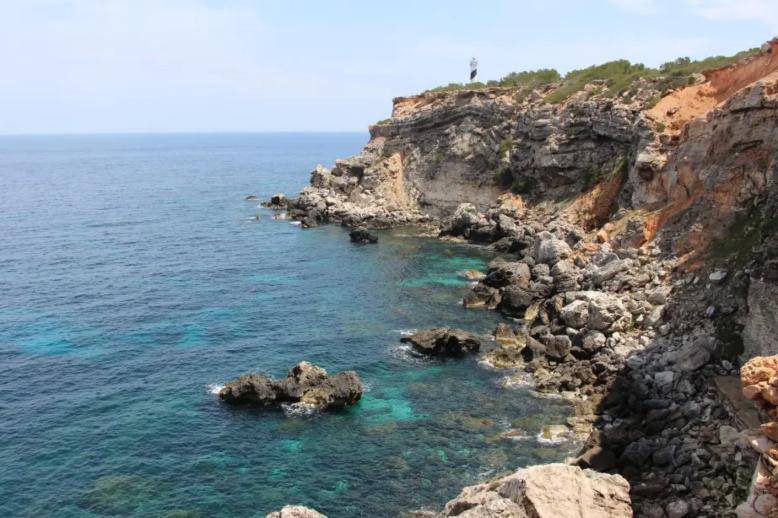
{"x":306,"y":383}
{"x":251,"y":197}
{"x":443,"y":341}
{"x":277,"y":201}
{"x":361,"y":235}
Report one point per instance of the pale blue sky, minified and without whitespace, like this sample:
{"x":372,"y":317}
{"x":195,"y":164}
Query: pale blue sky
{"x":93,"y":66}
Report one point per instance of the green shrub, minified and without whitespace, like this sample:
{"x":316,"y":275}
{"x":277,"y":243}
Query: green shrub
{"x":527,"y":80}
{"x":506,"y":145}
{"x":503,"y":176}
{"x":524,"y":185}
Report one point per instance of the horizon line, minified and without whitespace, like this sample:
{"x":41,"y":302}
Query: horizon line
{"x":151,"y":133}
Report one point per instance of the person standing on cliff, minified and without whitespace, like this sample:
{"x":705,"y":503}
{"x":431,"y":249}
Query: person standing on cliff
{"x":473,"y":68}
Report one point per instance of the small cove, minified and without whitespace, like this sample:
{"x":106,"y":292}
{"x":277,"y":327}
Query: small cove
{"x":135,"y":277}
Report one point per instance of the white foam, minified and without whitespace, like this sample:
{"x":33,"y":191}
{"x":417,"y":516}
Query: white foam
{"x":298,"y":409}
{"x":546,"y":395}
{"x":407,"y":353}
{"x":550,"y":442}
{"x":405,"y":332}
{"x":214,"y":388}
{"x":516,"y":382}
{"x":519,"y":437}
{"x":295,"y":223}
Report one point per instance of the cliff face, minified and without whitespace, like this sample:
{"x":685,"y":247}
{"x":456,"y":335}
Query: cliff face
{"x":441,"y":149}
{"x":694,"y":158}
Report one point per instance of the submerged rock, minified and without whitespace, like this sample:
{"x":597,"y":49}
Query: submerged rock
{"x":362,"y":236}
{"x":443,"y":341}
{"x":295,"y":511}
{"x":546,"y":491}
{"x":306,"y":383}
{"x":473,"y":275}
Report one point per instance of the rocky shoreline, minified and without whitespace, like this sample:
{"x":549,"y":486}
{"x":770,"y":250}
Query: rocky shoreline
{"x":638,"y":260}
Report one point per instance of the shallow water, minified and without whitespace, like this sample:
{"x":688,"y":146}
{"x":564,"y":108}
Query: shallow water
{"x":133,"y":280}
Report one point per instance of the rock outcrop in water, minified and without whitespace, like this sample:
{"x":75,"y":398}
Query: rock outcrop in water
{"x":277,"y":201}
{"x":360,"y":235}
{"x":443,"y":341}
{"x":639,"y":255}
{"x":306,"y":384}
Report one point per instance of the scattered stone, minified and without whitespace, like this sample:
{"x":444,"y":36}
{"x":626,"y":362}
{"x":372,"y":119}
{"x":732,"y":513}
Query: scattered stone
{"x":677,"y":509}
{"x":717,"y":276}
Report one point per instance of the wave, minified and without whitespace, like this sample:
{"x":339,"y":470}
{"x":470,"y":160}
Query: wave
{"x":517,"y":381}
{"x":214,"y":388}
{"x":555,"y":441}
{"x":407,"y":353}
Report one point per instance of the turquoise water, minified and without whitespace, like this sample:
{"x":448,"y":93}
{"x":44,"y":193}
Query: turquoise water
{"x":132,"y":278}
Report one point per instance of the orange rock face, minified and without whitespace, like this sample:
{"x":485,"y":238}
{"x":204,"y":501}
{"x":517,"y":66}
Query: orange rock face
{"x":758,"y":370}
{"x":759,"y":379}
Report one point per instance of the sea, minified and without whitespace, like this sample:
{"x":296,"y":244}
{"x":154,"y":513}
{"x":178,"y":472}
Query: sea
{"x":136,"y":279}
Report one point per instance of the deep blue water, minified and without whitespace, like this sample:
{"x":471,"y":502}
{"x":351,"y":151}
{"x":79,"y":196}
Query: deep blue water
{"x":132,"y":277}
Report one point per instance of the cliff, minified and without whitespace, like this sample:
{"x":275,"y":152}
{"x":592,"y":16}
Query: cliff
{"x":639,"y":247}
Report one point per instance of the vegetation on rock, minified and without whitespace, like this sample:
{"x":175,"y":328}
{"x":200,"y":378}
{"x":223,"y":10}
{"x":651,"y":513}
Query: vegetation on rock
{"x":617,"y":77}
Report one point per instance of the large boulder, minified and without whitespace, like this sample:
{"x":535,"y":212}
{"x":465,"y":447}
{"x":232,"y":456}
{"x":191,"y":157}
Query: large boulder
{"x":464,"y":218}
{"x":295,"y":511}
{"x":305,"y":383}
{"x":545,"y":491}
{"x":549,"y":249}
{"x":443,"y":341}
{"x":576,"y":314}
{"x":482,"y":296}
{"x":503,"y":273}
{"x":515,"y":300}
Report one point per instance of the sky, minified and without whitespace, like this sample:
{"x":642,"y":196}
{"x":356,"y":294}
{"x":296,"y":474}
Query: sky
{"x":111,"y":66}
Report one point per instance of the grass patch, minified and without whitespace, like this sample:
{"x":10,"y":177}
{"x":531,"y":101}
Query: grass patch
{"x":746,"y":231}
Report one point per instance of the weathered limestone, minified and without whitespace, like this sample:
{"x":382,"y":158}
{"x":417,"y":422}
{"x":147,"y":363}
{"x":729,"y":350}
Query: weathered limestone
{"x":545,"y":491}
{"x":759,"y":378}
